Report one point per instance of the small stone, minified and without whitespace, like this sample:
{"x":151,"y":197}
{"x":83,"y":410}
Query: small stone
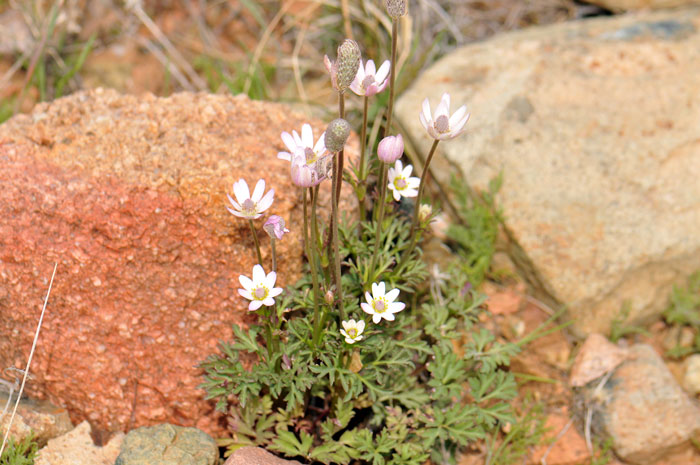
{"x":691,"y":378}
{"x":597,"y":357}
{"x":77,"y":448}
{"x":168,"y":444}
{"x":256,"y":456}
{"x":45,"y":420}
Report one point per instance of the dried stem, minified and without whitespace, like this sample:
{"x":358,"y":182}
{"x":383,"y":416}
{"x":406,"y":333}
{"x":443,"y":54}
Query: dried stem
{"x":257,"y":243}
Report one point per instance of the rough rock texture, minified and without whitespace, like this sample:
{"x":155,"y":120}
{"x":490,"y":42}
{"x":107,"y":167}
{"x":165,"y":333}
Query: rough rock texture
{"x":642,"y":389}
{"x":691,"y":377}
{"x":76,"y":448}
{"x":624,"y":5}
{"x":594,"y":125}
{"x":256,"y":456}
{"x":127,"y":194}
{"x":44,"y":420}
{"x":596,"y":357}
{"x":167,"y":445}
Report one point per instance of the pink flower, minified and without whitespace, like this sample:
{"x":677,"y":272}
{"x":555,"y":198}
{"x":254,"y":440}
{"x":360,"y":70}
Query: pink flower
{"x":368,"y":81}
{"x":390,"y":149}
{"x":274,"y":227}
{"x":442,"y":126}
{"x":247,"y":206}
{"x":306,"y":174}
{"x":303,"y":145}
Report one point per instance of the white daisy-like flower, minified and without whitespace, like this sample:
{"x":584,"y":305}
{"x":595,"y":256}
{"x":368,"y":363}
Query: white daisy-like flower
{"x":441,"y":125}
{"x":381,"y":304}
{"x":370,"y":81}
{"x":400,"y":181}
{"x":352,"y":330}
{"x":303,"y":146}
{"x":261,"y":289}
{"x":247,"y":206}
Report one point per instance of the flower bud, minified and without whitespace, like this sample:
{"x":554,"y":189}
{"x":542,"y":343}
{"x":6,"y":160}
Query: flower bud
{"x":424,"y":212}
{"x":390,"y":149}
{"x":337,"y":134}
{"x":395,"y":8}
{"x":329,"y":297}
{"x":347,"y":63}
{"x":274,"y":227}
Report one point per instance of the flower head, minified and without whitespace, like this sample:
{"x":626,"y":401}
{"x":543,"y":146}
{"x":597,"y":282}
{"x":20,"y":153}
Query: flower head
{"x":400,"y":181}
{"x":390,"y":148}
{"x":261,"y":289}
{"x":247,"y":206}
{"x":381,"y":304}
{"x":441,"y":125}
{"x":274,"y":227}
{"x":337,"y":134}
{"x":368,"y":81}
{"x":303,"y":146}
{"x":306,"y":174}
{"x":395,"y":8}
{"x":352,"y":330}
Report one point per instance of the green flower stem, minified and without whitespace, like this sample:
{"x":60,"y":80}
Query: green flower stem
{"x":336,"y":248}
{"x":257,"y":243}
{"x":314,"y":271}
{"x":274,"y":254}
{"x":392,"y":74}
{"x":380,"y":219}
{"x":362,"y":182}
{"x":414,"y":225}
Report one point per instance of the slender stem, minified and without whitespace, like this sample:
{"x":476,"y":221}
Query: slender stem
{"x":413,"y":234}
{"x":341,"y":154}
{"x":380,"y":219}
{"x":336,"y":251}
{"x":314,"y":270}
{"x":274,"y":254}
{"x":362,"y":182}
{"x":392,"y":74}
{"x":257,"y":242}
{"x":268,"y":333}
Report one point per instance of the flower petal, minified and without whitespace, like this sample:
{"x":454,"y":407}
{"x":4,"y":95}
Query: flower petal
{"x":258,"y":191}
{"x":392,"y":295}
{"x":266,"y":201}
{"x":443,"y":108}
{"x":383,"y":71}
{"x":388,"y":316}
{"x":382,"y":289}
{"x":240,"y":190}
{"x":368,"y":297}
{"x":270,"y":279}
{"x":457,"y":116}
{"x":370,"y":68}
{"x":367,"y":308}
{"x":406,"y":173}
{"x":246,"y":282}
{"x":376,"y":318}
{"x":236,"y":213}
{"x":284,"y":156}
{"x":275,"y":291}
{"x":360,"y":326}
{"x":289,"y":141}
{"x":320,"y":146}
{"x":307,"y":135}
{"x":254,"y":305}
{"x":426,"y":114}
{"x":396,"y":193}
{"x":258,"y":275}
{"x":246,"y":294}
{"x":234,"y":203}
{"x":346,"y":326}
{"x":269,"y":301}
{"x":349,"y":341}
{"x":396,"y":307}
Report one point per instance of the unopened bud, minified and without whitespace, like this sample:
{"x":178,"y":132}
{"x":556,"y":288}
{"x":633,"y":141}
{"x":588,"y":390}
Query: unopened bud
{"x":424,"y":212}
{"x":329,"y":297}
{"x":337,"y":134}
{"x":395,"y":8}
{"x":390,"y":149}
{"x":347,"y":63}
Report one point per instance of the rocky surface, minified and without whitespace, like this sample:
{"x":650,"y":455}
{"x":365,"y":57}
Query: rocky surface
{"x":643,"y":409}
{"x":42,"y":419}
{"x":77,"y":448}
{"x":596,"y":358}
{"x":594,"y":126}
{"x":167,"y":445}
{"x":691,"y":376}
{"x":127,"y":194}
{"x":625,"y":5}
{"x":256,"y":456}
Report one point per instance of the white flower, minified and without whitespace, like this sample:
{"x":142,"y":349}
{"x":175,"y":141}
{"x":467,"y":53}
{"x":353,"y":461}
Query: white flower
{"x":352,"y":330}
{"x":303,"y":146}
{"x":380,"y":304}
{"x":368,"y":81}
{"x":443,"y":126}
{"x":400,"y":181}
{"x":261,"y":289}
{"x":246,"y":206}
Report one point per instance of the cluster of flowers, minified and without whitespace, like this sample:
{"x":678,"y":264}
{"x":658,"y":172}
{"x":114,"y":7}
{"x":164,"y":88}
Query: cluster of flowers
{"x":311,"y":163}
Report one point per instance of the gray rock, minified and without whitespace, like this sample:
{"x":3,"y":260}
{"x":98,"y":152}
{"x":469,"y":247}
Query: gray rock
{"x":256,"y":456}
{"x":594,"y":125}
{"x":168,"y":444}
{"x":643,"y":409}
{"x":41,"y":418}
{"x":76,"y":448}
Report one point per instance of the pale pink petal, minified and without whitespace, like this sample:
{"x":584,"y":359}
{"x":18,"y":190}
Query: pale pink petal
{"x":269,"y":301}
{"x":382,"y":289}
{"x":236,"y":213}
{"x":459,"y":126}
{"x":275,"y":291}
{"x":407,"y":192}
{"x":356,"y":87}
{"x":270,"y":279}
{"x":375,"y":291}
{"x":297,"y":139}
{"x":376,"y":318}
{"x":349,"y":340}
{"x":284,"y":156}
{"x":368,"y":297}
{"x":258,"y":191}
{"x":370,"y":68}
{"x":457,"y":116}
{"x":320,"y":146}
{"x":388,"y":316}
{"x":443,"y":107}
{"x":398,"y":167}
{"x":367,"y":308}
{"x":392,"y":295}
{"x":233,"y":202}
{"x":360,"y":326}
{"x":406,"y":173}
{"x":346,"y":326}
{"x":254,"y":305}
{"x":246,"y":294}
{"x":240,"y":190}
{"x":289,"y":141}
{"x":396,"y":193}
{"x":383,"y":71}
{"x":266,"y":201}
{"x":258,"y":274}
{"x":427,"y":119}
{"x":245,"y":282}
{"x":307,"y":135}
{"x":396,"y":307}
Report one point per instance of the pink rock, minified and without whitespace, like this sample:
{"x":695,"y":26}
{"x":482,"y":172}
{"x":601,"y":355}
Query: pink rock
{"x":128,"y":195}
{"x":597,"y":357}
{"x":256,"y":456}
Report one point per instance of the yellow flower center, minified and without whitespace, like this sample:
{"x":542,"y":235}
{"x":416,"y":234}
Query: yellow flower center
{"x":379,"y":305}
{"x":260,"y":293}
{"x":352,"y":333}
{"x":400,"y":183}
